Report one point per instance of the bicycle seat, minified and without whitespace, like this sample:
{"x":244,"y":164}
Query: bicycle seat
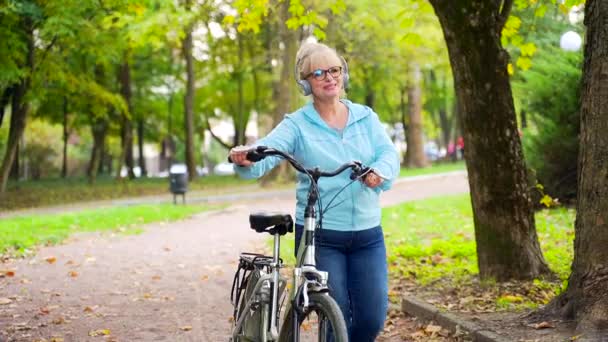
{"x":280,"y":222}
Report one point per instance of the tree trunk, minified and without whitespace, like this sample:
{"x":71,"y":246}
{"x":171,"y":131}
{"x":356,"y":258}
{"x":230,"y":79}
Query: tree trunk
{"x":19,"y":110}
{"x":404,"y":119}
{"x":64,"y":164}
{"x":446,"y":127}
{"x":282,"y":90}
{"x":189,"y":101}
{"x":15,"y":169}
{"x":586,"y":299}
{"x":242,"y":117}
{"x":126,"y":129}
{"x":5,"y":100}
{"x":415,"y":141}
{"x":99,"y":128}
{"x":140,"y":147}
{"x":507,"y":244}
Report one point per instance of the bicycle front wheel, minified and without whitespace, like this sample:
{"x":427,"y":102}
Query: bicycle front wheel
{"x":322,"y":322}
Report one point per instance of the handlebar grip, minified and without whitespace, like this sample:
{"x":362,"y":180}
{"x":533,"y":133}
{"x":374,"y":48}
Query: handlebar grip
{"x":253,"y":156}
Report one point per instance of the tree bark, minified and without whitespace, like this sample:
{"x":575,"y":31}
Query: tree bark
{"x":64,"y":164}
{"x":140,"y":147}
{"x":404,"y":119}
{"x":126,"y":130}
{"x":189,"y":101}
{"x":505,"y":232}
{"x":415,"y":141}
{"x":282,"y":90}
{"x":586,"y":299}
{"x":99,"y":128}
{"x":5,"y":100}
{"x":20,"y":108}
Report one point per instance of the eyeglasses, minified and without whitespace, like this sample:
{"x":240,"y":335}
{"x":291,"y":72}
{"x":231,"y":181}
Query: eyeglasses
{"x":320,"y":74}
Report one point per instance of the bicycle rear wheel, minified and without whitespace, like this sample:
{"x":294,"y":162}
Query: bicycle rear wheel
{"x":321,"y":322}
{"x":253,"y":324}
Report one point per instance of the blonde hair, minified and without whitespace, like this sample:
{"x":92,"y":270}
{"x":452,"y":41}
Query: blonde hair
{"x":312,"y":54}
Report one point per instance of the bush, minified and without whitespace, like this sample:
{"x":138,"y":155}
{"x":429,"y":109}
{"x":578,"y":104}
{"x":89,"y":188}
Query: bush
{"x":549,"y":93}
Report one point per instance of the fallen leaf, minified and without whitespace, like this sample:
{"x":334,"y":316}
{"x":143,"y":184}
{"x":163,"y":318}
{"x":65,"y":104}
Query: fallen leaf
{"x":51,"y":259}
{"x":45,"y":311}
{"x":432,"y":329}
{"x":205,"y":278}
{"x":418,"y":334}
{"x":4,"y":301}
{"x":99,"y":332}
{"x":73,"y":274}
{"x":59,"y":320}
{"x":185,"y":328}
{"x":167,"y":249}
{"x":7,"y":273}
{"x":89,"y":309}
{"x":543,"y":325}
{"x":57,"y":339}
{"x":147,"y":295}
{"x":156,"y":277}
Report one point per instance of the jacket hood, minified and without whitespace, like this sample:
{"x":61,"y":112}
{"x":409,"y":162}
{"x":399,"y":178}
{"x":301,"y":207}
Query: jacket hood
{"x":354,"y":114}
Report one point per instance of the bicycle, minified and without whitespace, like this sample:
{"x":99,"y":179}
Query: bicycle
{"x":258,"y":288}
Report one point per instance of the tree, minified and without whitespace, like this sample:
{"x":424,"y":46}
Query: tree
{"x":505,"y":232}
{"x":18,"y":89}
{"x":585,"y":298}
{"x":189,"y":99}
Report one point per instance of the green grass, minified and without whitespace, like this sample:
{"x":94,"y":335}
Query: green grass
{"x":39,"y":193}
{"x":57,"y":191}
{"x":431,"y":245}
{"x":435,"y":168}
{"x":432,"y":242}
{"x":19,"y":235}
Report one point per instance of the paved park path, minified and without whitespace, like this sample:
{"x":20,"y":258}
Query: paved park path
{"x":170,"y":283}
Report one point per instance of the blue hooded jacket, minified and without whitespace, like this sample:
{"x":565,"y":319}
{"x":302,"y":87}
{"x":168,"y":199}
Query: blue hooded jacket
{"x":313,"y":143}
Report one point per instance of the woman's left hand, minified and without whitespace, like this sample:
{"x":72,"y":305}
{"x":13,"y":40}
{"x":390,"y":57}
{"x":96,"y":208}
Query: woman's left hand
{"x":373,"y":180}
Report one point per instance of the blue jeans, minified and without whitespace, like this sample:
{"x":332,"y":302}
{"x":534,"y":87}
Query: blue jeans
{"x":358,"y":277}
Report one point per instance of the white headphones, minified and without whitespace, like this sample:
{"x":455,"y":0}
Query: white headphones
{"x":305,"y":86}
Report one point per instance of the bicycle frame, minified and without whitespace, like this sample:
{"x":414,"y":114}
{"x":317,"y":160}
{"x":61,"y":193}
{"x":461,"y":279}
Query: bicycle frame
{"x":305,"y":268}
{"x":261,"y":294}
{"x":306,"y":276}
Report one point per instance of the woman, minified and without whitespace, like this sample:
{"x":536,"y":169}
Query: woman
{"x":328,"y":132}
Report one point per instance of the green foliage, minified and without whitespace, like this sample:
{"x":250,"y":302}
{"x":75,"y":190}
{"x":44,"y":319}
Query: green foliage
{"x":21,"y":235}
{"x":532,"y":23}
{"x":549,"y":93}
{"x":42,"y":147}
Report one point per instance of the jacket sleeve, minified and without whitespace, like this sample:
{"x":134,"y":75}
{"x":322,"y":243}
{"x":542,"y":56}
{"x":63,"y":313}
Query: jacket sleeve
{"x":283,"y":138}
{"x":386,"y":159}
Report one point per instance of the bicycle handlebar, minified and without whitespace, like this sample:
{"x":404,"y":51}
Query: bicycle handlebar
{"x":260,"y":152}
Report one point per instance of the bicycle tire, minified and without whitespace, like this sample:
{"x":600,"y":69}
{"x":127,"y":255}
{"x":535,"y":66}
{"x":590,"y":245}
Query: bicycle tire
{"x":323,"y":304}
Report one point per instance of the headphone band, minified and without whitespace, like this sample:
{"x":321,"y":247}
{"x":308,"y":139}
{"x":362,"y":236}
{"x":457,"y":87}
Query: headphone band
{"x":305,"y":86}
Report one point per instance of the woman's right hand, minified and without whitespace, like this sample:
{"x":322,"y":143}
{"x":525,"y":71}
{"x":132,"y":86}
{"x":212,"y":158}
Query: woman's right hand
{"x":238,"y":155}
